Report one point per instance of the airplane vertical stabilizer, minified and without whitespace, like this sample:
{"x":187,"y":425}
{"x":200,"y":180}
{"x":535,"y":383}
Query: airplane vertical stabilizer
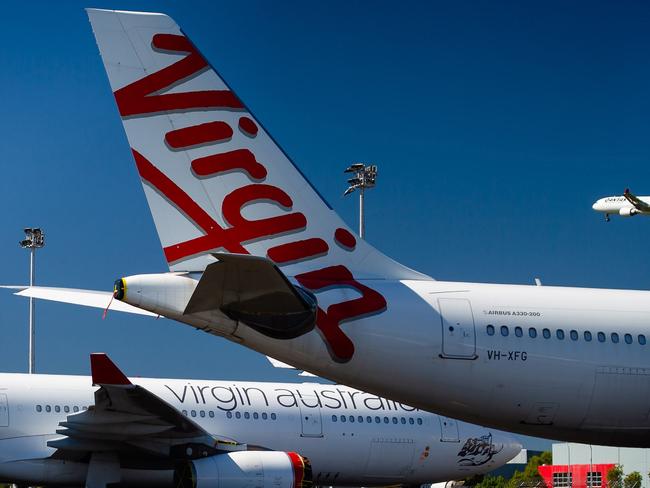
{"x":214,"y":179}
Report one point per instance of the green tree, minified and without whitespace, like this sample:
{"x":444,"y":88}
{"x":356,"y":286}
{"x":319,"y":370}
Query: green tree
{"x":633,"y":480}
{"x":527,"y":478}
{"x":492,"y":482}
{"x":615,"y":477}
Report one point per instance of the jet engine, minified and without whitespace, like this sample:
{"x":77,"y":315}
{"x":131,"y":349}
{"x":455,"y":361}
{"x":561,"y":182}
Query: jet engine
{"x":243,"y":469}
{"x":628,"y":212}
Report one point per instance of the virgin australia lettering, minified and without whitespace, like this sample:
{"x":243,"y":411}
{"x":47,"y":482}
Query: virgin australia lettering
{"x":143,"y":432}
{"x":229,"y":397}
{"x":258,"y":257}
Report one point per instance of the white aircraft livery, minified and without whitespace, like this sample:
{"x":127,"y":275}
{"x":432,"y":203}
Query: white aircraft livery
{"x":190,"y":433}
{"x":258,"y":257}
{"x":626,"y":205}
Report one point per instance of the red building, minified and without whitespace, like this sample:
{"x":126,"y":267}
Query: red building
{"x":575,"y":475}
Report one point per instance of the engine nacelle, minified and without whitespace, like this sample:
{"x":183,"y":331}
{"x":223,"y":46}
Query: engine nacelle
{"x":628,"y":212}
{"x":243,"y":469}
{"x":164,"y":293}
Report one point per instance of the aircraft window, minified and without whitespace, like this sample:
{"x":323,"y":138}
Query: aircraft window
{"x":39,"y":408}
{"x":228,"y":414}
{"x":628,"y":339}
{"x":351,"y":418}
{"x":66,"y":409}
{"x":238,"y":415}
{"x":344,"y":418}
{"x":394,"y":420}
{"x":641,"y":339}
{"x":75,"y":409}
{"x":202,"y":413}
{"x":57,"y":409}
{"x":273,"y":416}
{"x":360,"y":419}
{"x":377,"y":420}
{"x":546,"y":333}
{"x":587,"y":336}
{"x":48,"y":409}
{"x":614,"y":337}
{"x":211,"y":414}
{"x":504,"y":331}
{"x":334,"y":418}
{"x":193,"y":413}
{"x":532,"y":332}
{"x":247,"y":415}
{"x":490,"y":330}
{"x":386,"y":420}
{"x":185,"y":412}
{"x":518,"y":331}
{"x":369,"y":419}
{"x":411,"y":421}
{"x":559,"y":334}
{"x":419,"y":421}
{"x":574,"y":335}
{"x":601,"y":337}
{"x":403,"y":420}
{"x":264,"y":416}
{"x":255,"y":415}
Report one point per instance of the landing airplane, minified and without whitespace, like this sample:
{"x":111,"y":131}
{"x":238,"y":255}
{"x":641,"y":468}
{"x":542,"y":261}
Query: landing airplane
{"x":257,"y":256}
{"x":627,"y":205}
{"x":187,"y":433}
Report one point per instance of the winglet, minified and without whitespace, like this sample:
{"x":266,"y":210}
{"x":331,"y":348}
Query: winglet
{"x":104,"y":371}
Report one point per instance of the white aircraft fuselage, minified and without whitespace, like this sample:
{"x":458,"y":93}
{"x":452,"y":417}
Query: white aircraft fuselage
{"x":467,"y":350}
{"x":620,"y":205}
{"x":350,"y":437}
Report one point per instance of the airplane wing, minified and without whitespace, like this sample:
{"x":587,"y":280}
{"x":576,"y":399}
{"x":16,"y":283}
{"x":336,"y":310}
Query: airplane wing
{"x":87,"y":298}
{"x":639,"y":204}
{"x":130,"y":420}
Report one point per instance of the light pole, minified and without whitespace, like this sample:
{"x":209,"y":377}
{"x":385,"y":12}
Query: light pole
{"x":364,"y":177}
{"x":34,"y":239}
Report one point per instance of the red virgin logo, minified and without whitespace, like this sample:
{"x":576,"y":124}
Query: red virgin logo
{"x":142,"y":98}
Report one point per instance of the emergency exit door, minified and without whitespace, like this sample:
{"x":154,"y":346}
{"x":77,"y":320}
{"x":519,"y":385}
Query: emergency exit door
{"x":448,"y":429}
{"x":310,"y":418}
{"x":458,"y":334}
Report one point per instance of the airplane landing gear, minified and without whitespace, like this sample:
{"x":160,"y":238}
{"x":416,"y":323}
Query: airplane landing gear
{"x":607,"y":219}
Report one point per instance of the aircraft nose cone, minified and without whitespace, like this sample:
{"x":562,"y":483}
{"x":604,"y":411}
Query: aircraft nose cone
{"x":596,"y":205}
{"x":511,"y":446}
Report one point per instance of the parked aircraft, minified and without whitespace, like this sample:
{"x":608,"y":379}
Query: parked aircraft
{"x":197,"y":433}
{"x":257,"y":256}
{"x":626,"y":205}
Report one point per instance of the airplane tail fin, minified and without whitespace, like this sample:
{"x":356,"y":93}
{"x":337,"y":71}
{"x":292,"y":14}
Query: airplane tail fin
{"x":215,"y":180}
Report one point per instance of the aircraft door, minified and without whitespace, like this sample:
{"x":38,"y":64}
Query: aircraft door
{"x":4,"y":411}
{"x":448,"y":429}
{"x":310,"y":418}
{"x":458,"y":334}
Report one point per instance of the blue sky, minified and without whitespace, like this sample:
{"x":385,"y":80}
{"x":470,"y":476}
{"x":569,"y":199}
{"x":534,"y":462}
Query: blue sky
{"x":495,"y":125}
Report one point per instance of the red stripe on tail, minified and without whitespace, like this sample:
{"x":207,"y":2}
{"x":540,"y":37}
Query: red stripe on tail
{"x":211,"y":132}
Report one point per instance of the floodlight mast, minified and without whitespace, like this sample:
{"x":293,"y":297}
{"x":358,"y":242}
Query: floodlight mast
{"x":34,"y":239}
{"x":364,"y":177}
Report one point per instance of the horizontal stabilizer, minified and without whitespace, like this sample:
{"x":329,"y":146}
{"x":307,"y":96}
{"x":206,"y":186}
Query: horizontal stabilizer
{"x":86,"y":298}
{"x":279,"y":364}
{"x":254,"y":291}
